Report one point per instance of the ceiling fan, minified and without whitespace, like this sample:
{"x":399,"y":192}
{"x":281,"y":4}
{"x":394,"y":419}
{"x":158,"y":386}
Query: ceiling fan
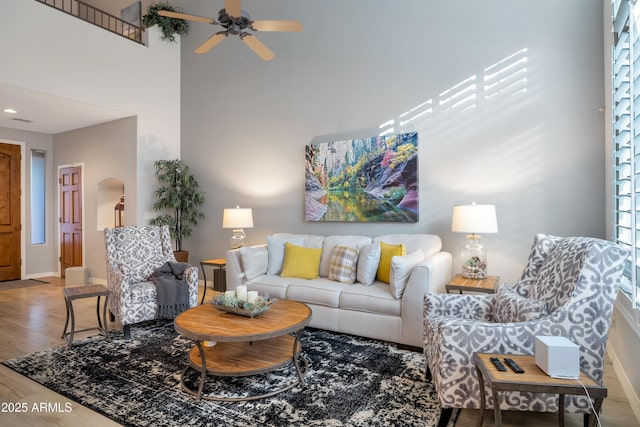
{"x":237,"y":22}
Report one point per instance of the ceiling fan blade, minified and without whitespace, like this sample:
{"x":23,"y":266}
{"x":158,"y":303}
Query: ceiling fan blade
{"x":170,"y":14}
{"x":211,"y":42}
{"x":233,"y":8}
{"x":258,"y":47}
{"x":277,"y":25}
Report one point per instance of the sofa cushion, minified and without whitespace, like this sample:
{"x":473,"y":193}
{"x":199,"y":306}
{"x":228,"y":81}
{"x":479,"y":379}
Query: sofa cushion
{"x":320,"y":291}
{"x":275,"y":247}
{"x":308,"y":240}
{"x":331,"y":242}
{"x":430,"y":244}
{"x":510,"y":306}
{"x":370,"y":299}
{"x":266,"y":284}
{"x":343,"y":264}
{"x":401,"y":269}
{"x":255,"y":260}
{"x":368,"y":260}
{"x":388,"y":251}
{"x":301,"y":262}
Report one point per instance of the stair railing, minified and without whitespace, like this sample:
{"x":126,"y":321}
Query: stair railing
{"x":97,"y":17}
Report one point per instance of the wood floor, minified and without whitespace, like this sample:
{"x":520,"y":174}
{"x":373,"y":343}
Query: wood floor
{"x":32,"y":319}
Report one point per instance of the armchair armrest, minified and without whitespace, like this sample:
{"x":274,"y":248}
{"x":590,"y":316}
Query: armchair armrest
{"x":191,"y":278}
{"x":472,"y":307}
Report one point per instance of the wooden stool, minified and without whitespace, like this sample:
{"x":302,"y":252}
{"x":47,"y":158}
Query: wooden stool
{"x":85,"y":291}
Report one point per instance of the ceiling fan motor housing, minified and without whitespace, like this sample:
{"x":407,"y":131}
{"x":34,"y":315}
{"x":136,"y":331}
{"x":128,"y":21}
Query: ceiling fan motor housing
{"x":234,"y":24}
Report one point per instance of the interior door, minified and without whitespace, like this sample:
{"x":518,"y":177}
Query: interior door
{"x":70,"y":217}
{"x":10,"y":226}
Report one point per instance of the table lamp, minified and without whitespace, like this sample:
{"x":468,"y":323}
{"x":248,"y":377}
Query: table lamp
{"x":474,"y":219}
{"x":237,"y":218}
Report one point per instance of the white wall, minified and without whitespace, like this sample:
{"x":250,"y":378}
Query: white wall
{"x":48,"y":51}
{"x":537,"y":154}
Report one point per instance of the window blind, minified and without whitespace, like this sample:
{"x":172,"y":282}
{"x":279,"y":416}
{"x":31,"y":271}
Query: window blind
{"x":625,"y":68}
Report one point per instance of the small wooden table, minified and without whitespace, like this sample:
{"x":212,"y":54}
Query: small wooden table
{"x":85,"y":291}
{"x":460,"y":283}
{"x":244,"y":345}
{"x":219,"y":275}
{"x":533,"y":380}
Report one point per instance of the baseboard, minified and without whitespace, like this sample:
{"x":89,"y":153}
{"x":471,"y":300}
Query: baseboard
{"x":40,"y":275}
{"x":625,"y":382}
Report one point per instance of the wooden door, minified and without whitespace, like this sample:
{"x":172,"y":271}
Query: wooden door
{"x":70,"y":217}
{"x":10,"y":226}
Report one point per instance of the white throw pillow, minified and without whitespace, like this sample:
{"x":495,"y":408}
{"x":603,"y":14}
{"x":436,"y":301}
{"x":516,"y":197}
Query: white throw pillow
{"x":401,"y":269}
{"x":275,"y":247}
{"x":368,"y":261}
{"x":255,"y":260}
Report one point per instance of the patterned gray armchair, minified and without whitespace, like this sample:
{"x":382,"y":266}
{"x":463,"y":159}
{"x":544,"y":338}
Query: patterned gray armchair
{"x":133,"y":253}
{"x":568,"y":289}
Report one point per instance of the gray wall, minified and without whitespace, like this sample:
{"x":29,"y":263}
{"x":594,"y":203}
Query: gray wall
{"x":533,"y":147}
{"x":104,"y":151}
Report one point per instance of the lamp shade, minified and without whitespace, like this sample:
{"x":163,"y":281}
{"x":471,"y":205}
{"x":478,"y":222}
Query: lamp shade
{"x":474,"y":219}
{"x":237,"y":218}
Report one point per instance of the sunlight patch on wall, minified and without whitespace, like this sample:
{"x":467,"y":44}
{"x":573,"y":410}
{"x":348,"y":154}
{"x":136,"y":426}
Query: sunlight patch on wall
{"x":507,"y":77}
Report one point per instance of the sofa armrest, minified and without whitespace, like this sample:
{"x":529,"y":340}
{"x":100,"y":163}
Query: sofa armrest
{"x":430,"y":275}
{"x":234,"y":272}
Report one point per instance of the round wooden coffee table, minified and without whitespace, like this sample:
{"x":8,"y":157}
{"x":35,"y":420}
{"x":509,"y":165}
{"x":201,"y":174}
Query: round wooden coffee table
{"x":244,"y":346}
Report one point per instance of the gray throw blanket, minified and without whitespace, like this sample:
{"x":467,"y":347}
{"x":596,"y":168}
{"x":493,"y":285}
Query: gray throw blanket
{"x":172,"y":289}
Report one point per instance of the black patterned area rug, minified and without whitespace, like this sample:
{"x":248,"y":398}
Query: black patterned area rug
{"x":351,"y":381}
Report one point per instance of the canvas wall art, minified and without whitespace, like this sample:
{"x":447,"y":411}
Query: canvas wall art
{"x":363,"y":180}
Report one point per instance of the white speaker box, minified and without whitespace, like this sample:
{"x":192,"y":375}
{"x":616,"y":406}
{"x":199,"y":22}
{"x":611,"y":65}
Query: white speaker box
{"x":559,"y":357}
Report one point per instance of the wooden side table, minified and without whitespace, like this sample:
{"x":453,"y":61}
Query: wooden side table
{"x":460,"y":283}
{"x":533,"y":380}
{"x":86,"y":291}
{"x":219,"y":275}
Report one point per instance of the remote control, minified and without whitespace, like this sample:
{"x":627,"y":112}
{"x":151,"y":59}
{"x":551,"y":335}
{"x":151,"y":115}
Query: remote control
{"x":498,"y":364}
{"x":513,"y":365}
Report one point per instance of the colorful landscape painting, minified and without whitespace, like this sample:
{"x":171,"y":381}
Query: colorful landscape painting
{"x":371,"y":179}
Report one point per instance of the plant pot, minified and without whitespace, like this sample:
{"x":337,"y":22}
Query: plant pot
{"x":181,"y":256}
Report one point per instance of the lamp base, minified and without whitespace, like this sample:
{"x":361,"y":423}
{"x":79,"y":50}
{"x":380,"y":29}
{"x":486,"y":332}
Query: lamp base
{"x":474,"y":258}
{"x":238,"y":239}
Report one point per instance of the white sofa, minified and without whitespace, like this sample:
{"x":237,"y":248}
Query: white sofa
{"x":374,"y":311}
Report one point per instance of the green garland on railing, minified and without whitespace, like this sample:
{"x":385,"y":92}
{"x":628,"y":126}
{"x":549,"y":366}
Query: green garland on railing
{"x":169,"y":26}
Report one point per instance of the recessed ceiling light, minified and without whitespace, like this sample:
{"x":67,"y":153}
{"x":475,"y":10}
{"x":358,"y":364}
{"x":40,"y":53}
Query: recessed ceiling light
{"x":10,"y":111}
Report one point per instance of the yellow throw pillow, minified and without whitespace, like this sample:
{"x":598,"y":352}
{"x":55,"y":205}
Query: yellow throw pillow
{"x":386,"y":253}
{"x":301,"y":262}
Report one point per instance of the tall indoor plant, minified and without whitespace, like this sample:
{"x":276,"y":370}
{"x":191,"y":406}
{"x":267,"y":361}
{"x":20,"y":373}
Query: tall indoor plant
{"x":178,"y":200}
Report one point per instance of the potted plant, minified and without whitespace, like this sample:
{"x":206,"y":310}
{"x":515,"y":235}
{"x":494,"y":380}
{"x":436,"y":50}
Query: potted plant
{"x":178,"y":200}
{"x":169,"y":26}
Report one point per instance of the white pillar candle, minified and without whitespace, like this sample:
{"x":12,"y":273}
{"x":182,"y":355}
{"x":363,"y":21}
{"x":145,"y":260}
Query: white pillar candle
{"x":241,"y":291}
{"x":230,"y":294}
{"x":252,"y":297}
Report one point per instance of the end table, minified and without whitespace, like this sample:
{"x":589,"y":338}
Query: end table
{"x":219,"y":275}
{"x":533,"y":380}
{"x":460,"y":283}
